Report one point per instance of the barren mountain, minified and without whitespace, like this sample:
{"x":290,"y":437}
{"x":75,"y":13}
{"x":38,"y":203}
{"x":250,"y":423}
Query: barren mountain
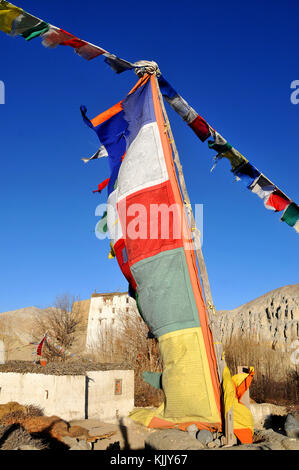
{"x":273,"y":317}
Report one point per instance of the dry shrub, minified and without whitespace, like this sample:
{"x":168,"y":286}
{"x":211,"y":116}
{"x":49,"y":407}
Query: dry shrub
{"x":276,"y":379}
{"x":128,"y":342}
{"x":62,"y":322}
{"x":13,"y":410}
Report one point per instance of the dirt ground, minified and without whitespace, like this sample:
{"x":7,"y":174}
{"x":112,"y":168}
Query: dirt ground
{"x":128,"y":435}
{"x":132,"y":436}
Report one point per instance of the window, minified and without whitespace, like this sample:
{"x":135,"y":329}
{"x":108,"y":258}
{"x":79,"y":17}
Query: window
{"x":118,"y":387}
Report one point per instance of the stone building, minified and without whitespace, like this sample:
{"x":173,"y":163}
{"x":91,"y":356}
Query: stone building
{"x":107,"y":311}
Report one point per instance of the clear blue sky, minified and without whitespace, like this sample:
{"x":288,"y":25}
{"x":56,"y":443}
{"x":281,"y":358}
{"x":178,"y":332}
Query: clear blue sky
{"x":232,"y":62}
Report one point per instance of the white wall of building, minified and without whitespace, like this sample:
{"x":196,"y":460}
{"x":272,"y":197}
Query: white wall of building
{"x":62,"y":395}
{"x":104,"y":395}
{"x":107,"y":311}
{"x":103,"y":398}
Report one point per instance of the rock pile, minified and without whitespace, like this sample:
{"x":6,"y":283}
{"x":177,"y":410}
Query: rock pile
{"x":264,"y":439}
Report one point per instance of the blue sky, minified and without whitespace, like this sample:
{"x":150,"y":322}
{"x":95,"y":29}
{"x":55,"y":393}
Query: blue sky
{"x":234,"y":63}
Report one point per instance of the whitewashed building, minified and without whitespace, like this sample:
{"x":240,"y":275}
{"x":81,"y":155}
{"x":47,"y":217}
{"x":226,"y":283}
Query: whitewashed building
{"x":107,"y":311}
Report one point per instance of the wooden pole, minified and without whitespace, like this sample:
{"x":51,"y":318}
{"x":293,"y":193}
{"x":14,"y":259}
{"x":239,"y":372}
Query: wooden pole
{"x":230,"y":438}
{"x":199,"y":255}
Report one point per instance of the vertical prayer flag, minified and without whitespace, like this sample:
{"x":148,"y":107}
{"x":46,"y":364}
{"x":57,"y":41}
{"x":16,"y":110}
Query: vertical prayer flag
{"x":152,"y":254}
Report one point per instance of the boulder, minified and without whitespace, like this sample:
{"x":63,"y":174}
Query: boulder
{"x":172,"y":439}
{"x":291,"y":426}
{"x":204,"y":436}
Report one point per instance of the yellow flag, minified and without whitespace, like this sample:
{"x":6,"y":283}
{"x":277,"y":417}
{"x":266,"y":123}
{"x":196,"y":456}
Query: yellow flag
{"x":8,"y":13}
{"x":112,"y":252}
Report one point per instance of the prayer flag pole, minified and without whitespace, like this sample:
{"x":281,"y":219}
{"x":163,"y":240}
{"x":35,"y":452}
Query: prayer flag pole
{"x":228,"y":427}
{"x":200,"y":259}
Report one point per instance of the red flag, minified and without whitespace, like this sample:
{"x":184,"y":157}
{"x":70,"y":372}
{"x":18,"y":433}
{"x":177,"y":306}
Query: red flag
{"x":201,"y":128}
{"x":277,"y":201}
{"x":101,"y":186}
{"x":40,"y":346}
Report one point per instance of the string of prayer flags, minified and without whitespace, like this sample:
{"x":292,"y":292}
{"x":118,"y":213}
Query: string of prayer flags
{"x":262,"y":187}
{"x":224,"y":149}
{"x":188,"y":114}
{"x":176,"y":101}
{"x":277,"y":201}
{"x":36,"y":31}
{"x":219,"y":144}
{"x":24,"y":22}
{"x":88,"y":51}
{"x":82,"y":48}
{"x":8,"y":13}
{"x":15,"y":21}
{"x":55,"y":36}
{"x":291,"y":216}
{"x":246,"y":173}
{"x":242,"y":169}
{"x":117,"y":64}
{"x":201,"y":128}
{"x":58,"y":37}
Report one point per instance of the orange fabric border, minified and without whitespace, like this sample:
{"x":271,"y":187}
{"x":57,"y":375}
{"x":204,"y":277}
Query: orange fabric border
{"x":244,"y":386}
{"x":109,"y":113}
{"x":163,"y":423}
{"x":244,"y":435}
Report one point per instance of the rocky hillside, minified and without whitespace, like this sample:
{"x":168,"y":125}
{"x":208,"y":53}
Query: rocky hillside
{"x":273,"y":317}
